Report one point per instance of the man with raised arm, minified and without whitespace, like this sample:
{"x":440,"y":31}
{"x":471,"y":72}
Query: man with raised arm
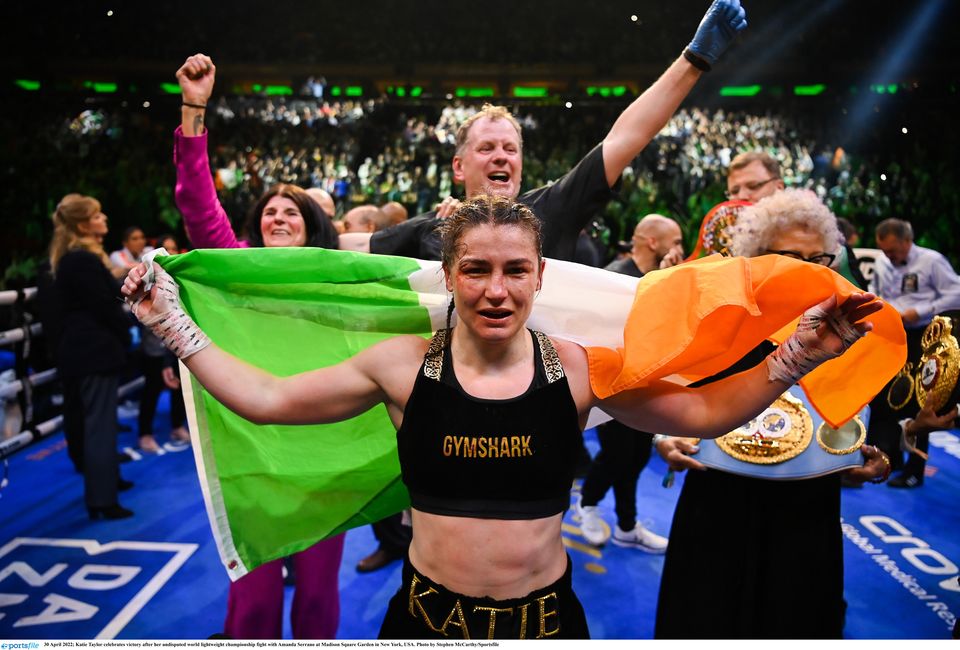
{"x":489,"y":153}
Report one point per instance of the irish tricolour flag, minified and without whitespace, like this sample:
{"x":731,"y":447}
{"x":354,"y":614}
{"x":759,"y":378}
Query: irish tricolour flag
{"x":273,"y":490}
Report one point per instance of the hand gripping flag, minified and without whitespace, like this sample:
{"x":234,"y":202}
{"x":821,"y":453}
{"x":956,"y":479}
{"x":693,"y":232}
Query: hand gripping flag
{"x":271,"y":491}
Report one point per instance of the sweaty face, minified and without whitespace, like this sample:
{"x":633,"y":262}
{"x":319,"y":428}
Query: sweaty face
{"x":281,"y":223}
{"x":752,"y":183}
{"x":491,"y":161}
{"x":494,"y":280}
{"x":804,"y":243}
{"x":895,"y":249}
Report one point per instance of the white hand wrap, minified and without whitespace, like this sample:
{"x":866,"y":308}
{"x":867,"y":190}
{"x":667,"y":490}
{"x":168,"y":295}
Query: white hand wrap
{"x":166,"y":317}
{"x":796,"y":357}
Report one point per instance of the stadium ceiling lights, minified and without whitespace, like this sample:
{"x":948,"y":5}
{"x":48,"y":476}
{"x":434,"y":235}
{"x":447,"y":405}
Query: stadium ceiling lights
{"x":403,"y":91}
{"x":530,"y":91}
{"x":272,"y":90}
{"x":101,"y":86}
{"x":607,"y":91}
{"x":809,"y":91}
{"x":349,"y":91}
{"x":474,"y":92}
{"x":741,"y":91}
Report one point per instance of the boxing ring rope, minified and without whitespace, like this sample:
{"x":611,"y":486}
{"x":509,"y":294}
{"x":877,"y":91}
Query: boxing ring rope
{"x":10,"y":297}
{"x":33,"y":432}
{"x":38,"y":432}
{"x":35,"y":380}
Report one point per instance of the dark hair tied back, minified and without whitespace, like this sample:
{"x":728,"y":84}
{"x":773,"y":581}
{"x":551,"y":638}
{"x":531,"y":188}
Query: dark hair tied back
{"x":485,"y":209}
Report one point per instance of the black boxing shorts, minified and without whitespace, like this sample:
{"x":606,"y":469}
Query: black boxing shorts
{"x":423,"y":609}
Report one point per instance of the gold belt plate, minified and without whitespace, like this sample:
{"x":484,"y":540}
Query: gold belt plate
{"x":778,"y":434}
{"x":845,"y":440}
{"x":939,"y":364}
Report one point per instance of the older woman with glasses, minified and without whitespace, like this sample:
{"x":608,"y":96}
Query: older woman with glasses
{"x":794,"y":223}
{"x":774,"y":565}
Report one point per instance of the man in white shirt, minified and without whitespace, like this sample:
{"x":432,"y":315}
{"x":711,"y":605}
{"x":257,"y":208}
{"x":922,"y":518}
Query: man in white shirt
{"x":919,"y":283}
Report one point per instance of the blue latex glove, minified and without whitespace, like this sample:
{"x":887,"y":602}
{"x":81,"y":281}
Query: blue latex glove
{"x":717,"y":30}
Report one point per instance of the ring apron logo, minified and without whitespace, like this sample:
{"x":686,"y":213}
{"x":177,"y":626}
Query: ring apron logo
{"x":946,"y":441}
{"x":80,"y":588}
{"x":916,"y":552}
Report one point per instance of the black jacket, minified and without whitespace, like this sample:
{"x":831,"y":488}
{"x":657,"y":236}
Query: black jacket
{"x":95,"y":331}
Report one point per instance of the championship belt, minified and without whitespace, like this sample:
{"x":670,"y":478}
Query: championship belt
{"x":939,"y":365}
{"x":715,"y":229}
{"x":901,"y":388}
{"x":789,"y":440}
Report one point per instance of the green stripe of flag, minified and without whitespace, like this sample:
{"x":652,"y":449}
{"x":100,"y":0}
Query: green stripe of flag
{"x":274,"y":490}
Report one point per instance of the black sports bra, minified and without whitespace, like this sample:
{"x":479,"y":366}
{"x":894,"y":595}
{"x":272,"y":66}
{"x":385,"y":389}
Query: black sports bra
{"x":494,"y":459}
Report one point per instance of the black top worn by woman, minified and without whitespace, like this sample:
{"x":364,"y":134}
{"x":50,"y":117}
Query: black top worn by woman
{"x":95,"y":332}
{"x":491,"y":459}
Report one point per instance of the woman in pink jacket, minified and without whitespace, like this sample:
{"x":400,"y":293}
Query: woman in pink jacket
{"x":284,"y":216}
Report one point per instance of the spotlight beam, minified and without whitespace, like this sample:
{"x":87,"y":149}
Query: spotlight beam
{"x":777,"y":35}
{"x":891,"y":67}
